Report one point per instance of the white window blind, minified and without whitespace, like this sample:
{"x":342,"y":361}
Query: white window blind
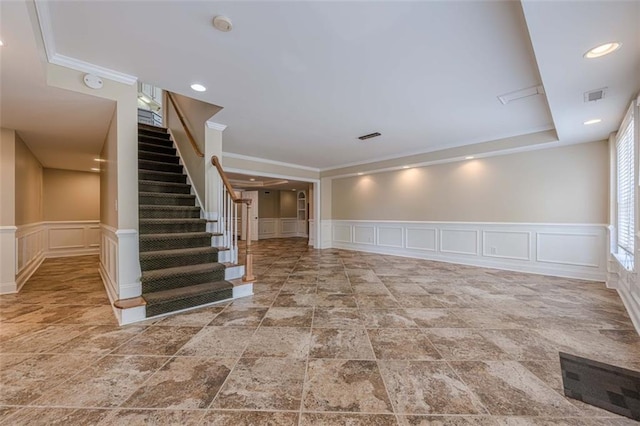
{"x":625,"y":185}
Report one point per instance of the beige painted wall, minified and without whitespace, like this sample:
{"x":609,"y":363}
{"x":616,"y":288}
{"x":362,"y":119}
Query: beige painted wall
{"x":7,"y":177}
{"x":28,"y":185}
{"x":71,"y":195}
{"x":126,"y":134}
{"x":268,"y":204}
{"x":559,"y":185}
{"x":109,"y":176}
{"x":288,"y":204}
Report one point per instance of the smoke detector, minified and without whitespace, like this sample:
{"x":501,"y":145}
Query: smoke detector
{"x":92,"y":81}
{"x":222,"y":23}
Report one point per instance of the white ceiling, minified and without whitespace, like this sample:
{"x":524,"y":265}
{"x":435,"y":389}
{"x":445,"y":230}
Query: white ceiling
{"x":299,"y":81}
{"x":64,"y":130}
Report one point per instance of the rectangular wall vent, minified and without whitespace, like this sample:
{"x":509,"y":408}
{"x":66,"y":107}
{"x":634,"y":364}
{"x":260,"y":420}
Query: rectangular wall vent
{"x":595,"y":95}
{"x":369,"y":136}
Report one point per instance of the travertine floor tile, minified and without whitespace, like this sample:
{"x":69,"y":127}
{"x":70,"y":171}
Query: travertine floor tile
{"x":345,"y":385}
{"x":329,"y":337}
{"x":428,"y":387}
{"x":250,"y":418}
{"x":263,"y":384}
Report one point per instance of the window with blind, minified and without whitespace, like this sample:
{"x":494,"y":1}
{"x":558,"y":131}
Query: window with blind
{"x":625,"y":183}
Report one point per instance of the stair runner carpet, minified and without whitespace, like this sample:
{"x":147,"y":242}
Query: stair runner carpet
{"x":180,"y":269}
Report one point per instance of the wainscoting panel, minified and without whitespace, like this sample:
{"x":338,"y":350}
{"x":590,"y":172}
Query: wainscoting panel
{"x":390,"y":236}
{"x":364,"y":235}
{"x":459,"y":241}
{"x":72,"y":238}
{"x":422,"y":238}
{"x":30,"y":250}
{"x":288,"y":227}
{"x":282,"y":227}
{"x":341,"y":233}
{"x":507,"y":244}
{"x":567,"y":250}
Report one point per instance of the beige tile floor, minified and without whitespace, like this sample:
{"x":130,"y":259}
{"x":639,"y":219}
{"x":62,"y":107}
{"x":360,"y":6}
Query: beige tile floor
{"x":330,"y":337}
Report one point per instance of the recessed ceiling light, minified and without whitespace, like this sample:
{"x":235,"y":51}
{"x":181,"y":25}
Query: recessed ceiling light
{"x":252,"y":180}
{"x":1,"y":43}
{"x":469,"y":157}
{"x":360,"y":174}
{"x":594,"y":121}
{"x":603,"y":49}
{"x":95,"y":169}
{"x":99,"y":160}
{"x":293,"y":189}
{"x":198,"y":87}
{"x":405,"y":167}
{"x":222,"y":23}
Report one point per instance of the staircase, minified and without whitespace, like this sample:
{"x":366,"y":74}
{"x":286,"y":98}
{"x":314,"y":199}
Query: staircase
{"x":180,"y":268}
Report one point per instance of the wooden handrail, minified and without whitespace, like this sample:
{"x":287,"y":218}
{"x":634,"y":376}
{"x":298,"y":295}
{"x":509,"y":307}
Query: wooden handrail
{"x":183,"y":121}
{"x":216,"y":162}
{"x":248,"y":263}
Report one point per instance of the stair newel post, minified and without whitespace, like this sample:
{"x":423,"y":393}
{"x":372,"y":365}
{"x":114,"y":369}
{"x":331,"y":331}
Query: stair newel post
{"x":248,"y":264}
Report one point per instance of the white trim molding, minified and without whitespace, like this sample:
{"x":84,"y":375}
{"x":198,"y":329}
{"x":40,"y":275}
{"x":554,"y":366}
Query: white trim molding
{"x":267,"y":161}
{"x":48,"y":38}
{"x":8,"y":259}
{"x":564,"y":250}
{"x":120,"y":270}
{"x":216,"y":126}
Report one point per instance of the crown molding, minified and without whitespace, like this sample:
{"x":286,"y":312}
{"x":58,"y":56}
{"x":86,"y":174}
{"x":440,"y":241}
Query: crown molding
{"x":46,"y":31}
{"x":216,"y":126}
{"x":264,"y":160}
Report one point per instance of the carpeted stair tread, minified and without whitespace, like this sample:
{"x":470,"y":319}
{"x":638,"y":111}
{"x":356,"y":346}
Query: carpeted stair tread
{"x":173,"y":241}
{"x":155,"y":140}
{"x":160,"y":187}
{"x":159,"y":166}
{"x":162,"y":195}
{"x":169,"y":236}
{"x":161,"y":176}
{"x":151,"y":127}
{"x":165,"y":301}
{"x":168,"y":212}
{"x":192,"y":290}
{"x":148,"y":147}
{"x":162,"y":254}
{"x":181,"y":271}
{"x":158,"y":156}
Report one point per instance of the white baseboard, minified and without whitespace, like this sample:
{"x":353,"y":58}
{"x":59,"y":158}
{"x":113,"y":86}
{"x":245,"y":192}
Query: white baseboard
{"x":29,"y":270}
{"x":632,"y":305}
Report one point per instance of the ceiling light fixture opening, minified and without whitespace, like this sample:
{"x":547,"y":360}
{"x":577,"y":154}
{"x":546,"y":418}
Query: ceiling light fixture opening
{"x":603,"y":49}
{"x":592,"y":121}
{"x":198,"y":87}
{"x":222,"y":23}
{"x":252,"y":180}
{"x":405,"y":167}
{"x":360,"y":174}
{"x":469,"y":157}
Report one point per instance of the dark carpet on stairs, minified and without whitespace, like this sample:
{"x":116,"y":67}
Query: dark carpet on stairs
{"x":180,"y":268}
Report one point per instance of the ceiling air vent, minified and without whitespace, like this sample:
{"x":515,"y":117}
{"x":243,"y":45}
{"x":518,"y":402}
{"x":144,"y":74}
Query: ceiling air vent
{"x":520,"y":94}
{"x":595,"y":95}
{"x":369,"y":136}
